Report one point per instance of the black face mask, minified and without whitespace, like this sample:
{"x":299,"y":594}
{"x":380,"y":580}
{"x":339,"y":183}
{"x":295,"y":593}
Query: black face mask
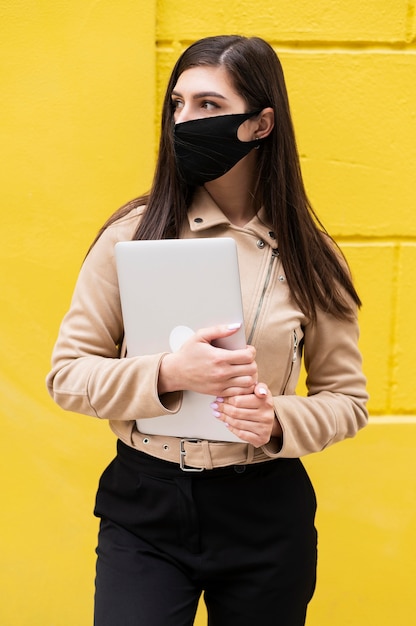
{"x":208,"y":148}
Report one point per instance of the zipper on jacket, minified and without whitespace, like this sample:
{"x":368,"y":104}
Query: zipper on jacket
{"x":275,"y":254}
{"x":293,"y":359}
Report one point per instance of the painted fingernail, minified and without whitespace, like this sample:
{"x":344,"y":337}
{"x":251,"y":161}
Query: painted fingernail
{"x":213,"y":405}
{"x":234,"y":326}
{"x":263,"y":391}
{"x":219,"y":399}
{"x":216,"y":413}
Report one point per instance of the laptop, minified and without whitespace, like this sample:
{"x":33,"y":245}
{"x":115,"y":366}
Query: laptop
{"x":169,"y":289}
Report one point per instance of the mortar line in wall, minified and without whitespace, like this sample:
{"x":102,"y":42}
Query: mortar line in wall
{"x":381,"y":420}
{"x":341,"y":47}
{"x":376,"y":240}
{"x":330,"y":46}
{"x":393,"y":342}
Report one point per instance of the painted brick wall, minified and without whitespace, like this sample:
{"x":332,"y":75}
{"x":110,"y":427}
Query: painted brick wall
{"x":351,"y":75}
{"x":350,"y":68}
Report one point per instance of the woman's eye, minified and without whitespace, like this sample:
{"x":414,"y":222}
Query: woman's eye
{"x":177,"y":104}
{"x":209,"y":106}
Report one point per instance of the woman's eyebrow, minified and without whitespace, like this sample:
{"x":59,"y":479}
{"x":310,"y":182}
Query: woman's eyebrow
{"x":202,"y":94}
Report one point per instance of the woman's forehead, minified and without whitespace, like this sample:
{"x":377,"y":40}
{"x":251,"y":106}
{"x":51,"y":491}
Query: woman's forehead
{"x":204,"y":78}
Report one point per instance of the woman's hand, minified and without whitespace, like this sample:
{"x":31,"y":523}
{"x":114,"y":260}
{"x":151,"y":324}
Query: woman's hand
{"x":201,"y":367}
{"x":250,"y":417}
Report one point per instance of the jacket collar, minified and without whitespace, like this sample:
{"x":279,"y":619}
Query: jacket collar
{"x":204,"y":214}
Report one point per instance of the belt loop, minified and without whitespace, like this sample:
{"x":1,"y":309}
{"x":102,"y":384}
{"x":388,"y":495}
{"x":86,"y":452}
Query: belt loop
{"x":207,"y":455}
{"x":250,"y":453}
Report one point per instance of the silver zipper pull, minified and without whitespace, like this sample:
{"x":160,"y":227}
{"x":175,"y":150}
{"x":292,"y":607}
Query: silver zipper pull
{"x":295,"y":346}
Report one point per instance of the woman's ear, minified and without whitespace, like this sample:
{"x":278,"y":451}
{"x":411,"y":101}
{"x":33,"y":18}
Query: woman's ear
{"x":265,"y":123}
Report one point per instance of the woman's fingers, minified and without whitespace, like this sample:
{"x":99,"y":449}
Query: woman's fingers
{"x":201,"y":367}
{"x":217,"y":371}
{"x":212,"y":333}
{"x":251,"y":417}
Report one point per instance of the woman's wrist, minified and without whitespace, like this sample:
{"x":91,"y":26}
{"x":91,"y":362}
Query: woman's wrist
{"x":276,"y":428}
{"x":167,"y":380}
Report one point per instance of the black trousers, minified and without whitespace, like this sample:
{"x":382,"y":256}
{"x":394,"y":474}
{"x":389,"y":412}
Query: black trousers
{"x":243,"y":535}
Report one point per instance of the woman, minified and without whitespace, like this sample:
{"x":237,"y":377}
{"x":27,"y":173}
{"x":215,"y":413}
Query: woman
{"x":242,"y":529}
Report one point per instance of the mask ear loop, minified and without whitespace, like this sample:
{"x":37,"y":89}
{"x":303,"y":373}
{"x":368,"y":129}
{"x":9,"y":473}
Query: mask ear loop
{"x":255,"y":138}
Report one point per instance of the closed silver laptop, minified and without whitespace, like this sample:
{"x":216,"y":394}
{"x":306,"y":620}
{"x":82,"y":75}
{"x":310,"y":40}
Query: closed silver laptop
{"x":169,"y":289}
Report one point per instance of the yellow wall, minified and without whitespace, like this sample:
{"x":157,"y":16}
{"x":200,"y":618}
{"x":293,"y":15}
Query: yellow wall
{"x":81,"y":88}
{"x":77,"y":114}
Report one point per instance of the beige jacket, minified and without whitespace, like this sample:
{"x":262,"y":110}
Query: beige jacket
{"x":88,"y":376}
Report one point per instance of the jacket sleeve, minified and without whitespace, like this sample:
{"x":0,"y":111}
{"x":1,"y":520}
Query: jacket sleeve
{"x":335,"y":407}
{"x":87,"y":375}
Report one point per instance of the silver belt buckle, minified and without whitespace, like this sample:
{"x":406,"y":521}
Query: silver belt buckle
{"x":182,"y":464}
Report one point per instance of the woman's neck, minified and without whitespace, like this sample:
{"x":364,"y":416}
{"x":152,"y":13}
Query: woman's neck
{"x":233,"y":192}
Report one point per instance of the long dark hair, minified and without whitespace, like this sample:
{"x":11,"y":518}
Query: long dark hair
{"x":315,"y":270}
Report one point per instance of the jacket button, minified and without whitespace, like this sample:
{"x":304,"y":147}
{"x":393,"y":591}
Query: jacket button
{"x":198,"y":220}
{"x":260,"y":243}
